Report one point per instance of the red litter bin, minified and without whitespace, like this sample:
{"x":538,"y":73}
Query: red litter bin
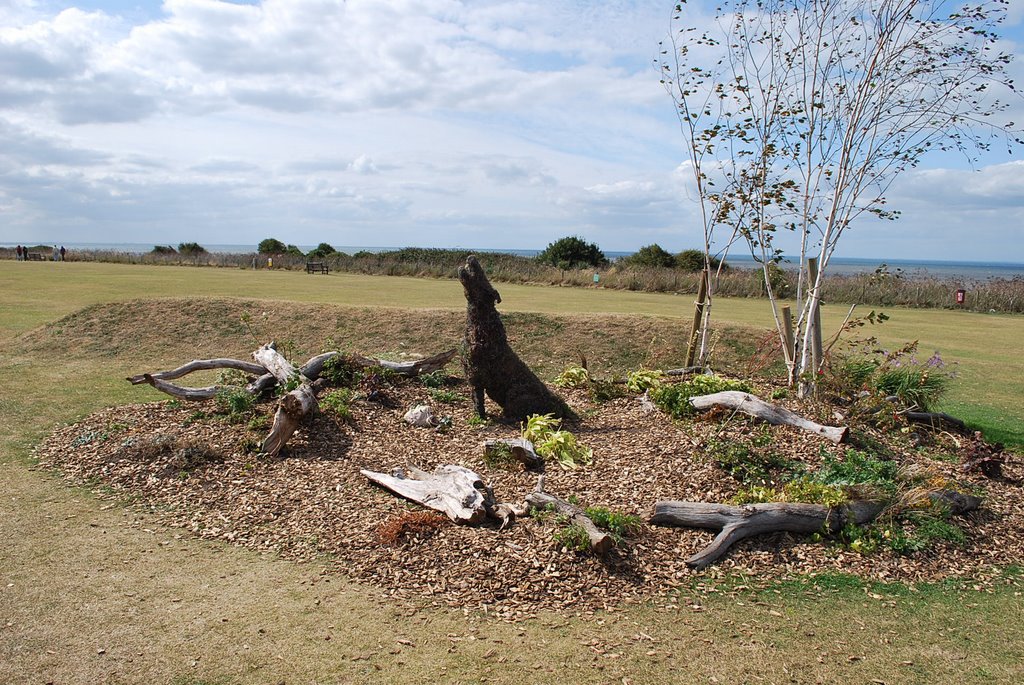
{"x":961,"y":295}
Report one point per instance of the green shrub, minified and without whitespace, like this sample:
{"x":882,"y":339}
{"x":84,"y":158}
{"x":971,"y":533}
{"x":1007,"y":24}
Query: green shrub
{"x":339,"y":402}
{"x":573,"y":377}
{"x":235,"y":403}
{"x":619,"y":526}
{"x":271,"y":246}
{"x":693,"y":260}
{"x":573,"y":538}
{"x":320,"y":251}
{"x":556,"y":445}
{"x":642,"y":380}
{"x":191,"y":249}
{"x":446,"y":396}
{"x":572,"y":252}
{"x":651,"y":255}
{"x":675,"y":399}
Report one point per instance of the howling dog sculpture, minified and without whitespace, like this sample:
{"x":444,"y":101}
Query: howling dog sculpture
{"x":490,"y":364}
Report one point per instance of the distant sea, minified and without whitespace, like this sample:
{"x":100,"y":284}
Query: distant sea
{"x":910,"y":268}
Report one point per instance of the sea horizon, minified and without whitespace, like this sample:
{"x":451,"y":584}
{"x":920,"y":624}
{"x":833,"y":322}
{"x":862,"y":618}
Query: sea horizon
{"x":910,"y":268}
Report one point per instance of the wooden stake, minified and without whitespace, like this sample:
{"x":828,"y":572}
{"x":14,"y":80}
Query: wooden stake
{"x":698,"y":315}
{"x":787,"y":332}
{"x":816,"y":354}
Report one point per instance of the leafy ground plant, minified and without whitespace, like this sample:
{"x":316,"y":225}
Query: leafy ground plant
{"x":675,"y":399}
{"x":556,"y":445}
{"x":573,"y":377}
{"x":339,"y":402}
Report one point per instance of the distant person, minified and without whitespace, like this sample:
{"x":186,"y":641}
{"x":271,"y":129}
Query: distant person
{"x":270,"y":262}
{"x":55,"y":253}
{"x":63,"y":253}
{"x":20,"y":254}
{"x":254,"y":262}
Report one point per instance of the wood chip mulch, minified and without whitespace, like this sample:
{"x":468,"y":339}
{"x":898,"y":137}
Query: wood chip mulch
{"x":312,"y":503}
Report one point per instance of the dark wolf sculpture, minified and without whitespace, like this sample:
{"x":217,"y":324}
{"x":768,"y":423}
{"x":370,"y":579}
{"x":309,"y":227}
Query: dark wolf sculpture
{"x":490,"y":364}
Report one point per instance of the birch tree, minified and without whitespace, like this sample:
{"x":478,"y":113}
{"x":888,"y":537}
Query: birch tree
{"x":808,"y":110}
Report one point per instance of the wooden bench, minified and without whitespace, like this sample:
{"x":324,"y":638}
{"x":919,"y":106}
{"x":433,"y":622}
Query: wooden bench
{"x":317,"y":267}
{"x":36,"y":257}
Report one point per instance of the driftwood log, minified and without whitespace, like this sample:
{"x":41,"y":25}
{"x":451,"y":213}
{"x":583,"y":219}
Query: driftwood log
{"x":455,"y":491}
{"x":294,"y":406}
{"x":937,"y":420}
{"x":520,"y":449}
{"x":413,"y":368}
{"x":735,"y":523}
{"x":271,"y":369}
{"x":758,"y":408}
{"x":600,"y":541}
{"x":266,"y":380}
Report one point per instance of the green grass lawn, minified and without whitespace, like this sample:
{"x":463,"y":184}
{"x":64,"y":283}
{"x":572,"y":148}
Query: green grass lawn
{"x":985,"y":348}
{"x":94,"y":591}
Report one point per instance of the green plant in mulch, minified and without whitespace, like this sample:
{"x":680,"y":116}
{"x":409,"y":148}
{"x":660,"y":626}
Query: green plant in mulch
{"x":446,"y":396}
{"x":573,"y":538}
{"x":619,"y":526}
{"x":556,"y":445}
{"x":642,"y":380}
{"x":338,"y":402}
{"x":573,"y":377}
{"x":754,"y":463}
{"x":235,"y":404}
{"x":341,"y":372}
{"x":434,"y":379}
{"x":604,"y":391}
{"x":910,"y":523}
{"x":898,"y":374}
{"x":674,"y":399}
{"x":499,"y":455}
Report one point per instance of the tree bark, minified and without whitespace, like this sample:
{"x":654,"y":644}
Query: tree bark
{"x":735,"y":523}
{"x":199,"y":365}
{"x":453,"y":490}
{"x":414,"y":368}
{"x":749,"y":404}
{"x":600,"y":541}
{"x":293,"y":407}
{"x":936,"y":420}
{"x":521,"y":449}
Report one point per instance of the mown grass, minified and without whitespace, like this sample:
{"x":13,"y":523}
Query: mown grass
{"x":95,"y":591}
{"x":985,"y":347}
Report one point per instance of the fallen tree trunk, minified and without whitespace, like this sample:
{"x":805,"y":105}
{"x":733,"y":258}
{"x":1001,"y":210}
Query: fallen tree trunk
{"x":414,"y":368}
{"x":735,"y":523}
{"x":198,"y":365}
{"x":455,"y":491}
{"x":758,"y":408}
{"x":520,"y":449}
{"x":600,"y":541}
{"x":273,"y":369}
{"x":293,"y":407}
{"x":936,"y":420}
{"x":181,"y":392}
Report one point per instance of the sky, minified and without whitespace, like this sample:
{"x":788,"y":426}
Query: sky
{"x":478,"y":124}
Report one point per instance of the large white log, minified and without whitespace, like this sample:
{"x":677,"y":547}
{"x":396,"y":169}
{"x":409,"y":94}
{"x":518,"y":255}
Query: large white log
{"x":293,"y":407}
{"x":455,"y":491}
{"x":756,"y":407}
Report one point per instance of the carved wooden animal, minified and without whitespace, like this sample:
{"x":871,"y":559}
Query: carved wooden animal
{"x":490,"y":364}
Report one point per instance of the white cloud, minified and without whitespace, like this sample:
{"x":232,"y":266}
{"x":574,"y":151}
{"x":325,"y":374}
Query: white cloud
{"x":487,"y":123}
